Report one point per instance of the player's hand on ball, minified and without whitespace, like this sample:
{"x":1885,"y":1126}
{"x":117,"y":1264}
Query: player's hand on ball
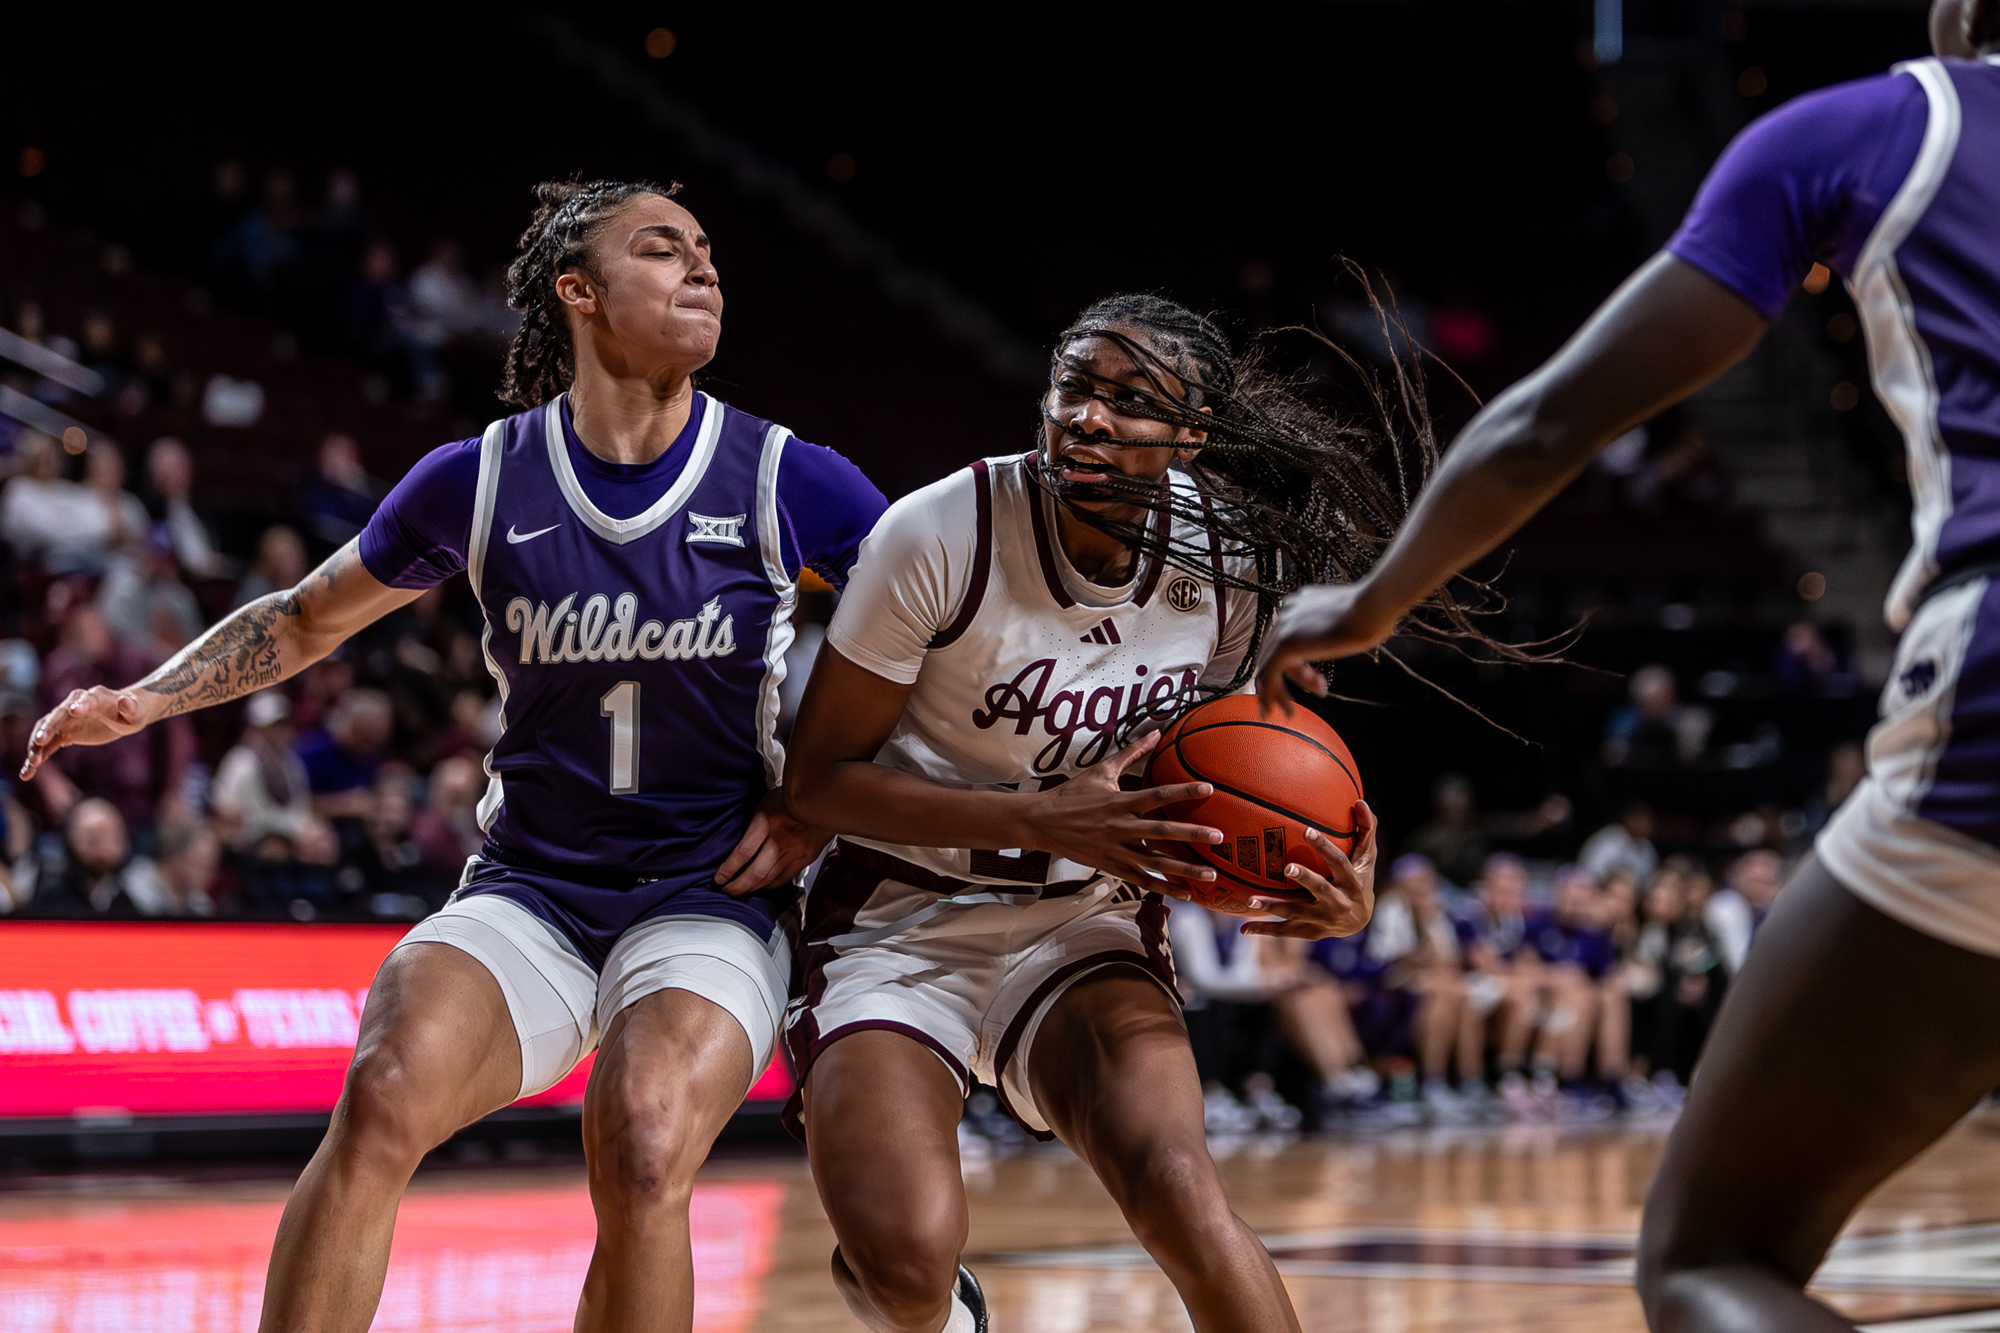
{"x":1342,"y":900}
{"x":773,"y":849}
{"x":88,"y":717}
{"x":1318,"y":622}
{"x":1092,"y":821}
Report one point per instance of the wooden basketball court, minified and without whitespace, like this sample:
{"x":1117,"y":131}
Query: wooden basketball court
{"x":1521,"y":1229}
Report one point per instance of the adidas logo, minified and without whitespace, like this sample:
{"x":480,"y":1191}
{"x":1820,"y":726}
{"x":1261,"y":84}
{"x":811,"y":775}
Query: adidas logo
{"x":1106,"y":632}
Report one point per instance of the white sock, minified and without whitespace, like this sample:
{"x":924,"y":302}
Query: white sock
{"x":960,"y":1319}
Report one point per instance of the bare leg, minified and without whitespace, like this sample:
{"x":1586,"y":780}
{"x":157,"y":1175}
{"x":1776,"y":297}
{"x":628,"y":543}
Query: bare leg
{"x":1564,"y":1041}
{"x":436,"y":1051}
{"x":1517,"y":1022}
{"x":1316,"y":1023}
{"x":1112,"y":1071}
{"x":1780,"y":1141}
{"x":881,"y":1116}
{"x":1470,"y":1041}
{"x":1442,"y":1000}
{"x":670,"y":1071}
{"x":1614,"y":1030}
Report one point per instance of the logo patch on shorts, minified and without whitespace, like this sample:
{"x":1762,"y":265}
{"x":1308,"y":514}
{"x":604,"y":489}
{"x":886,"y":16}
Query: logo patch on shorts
{"x":1184,"y":594}
{"x":1919,"y":678}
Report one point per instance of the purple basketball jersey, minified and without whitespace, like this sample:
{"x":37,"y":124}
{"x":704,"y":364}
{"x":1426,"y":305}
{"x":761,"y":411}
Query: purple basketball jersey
{"x":638,"y":661}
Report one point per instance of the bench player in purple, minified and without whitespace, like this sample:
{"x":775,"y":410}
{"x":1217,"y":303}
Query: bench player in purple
{"x":635,"y":546}
{"x":1888,"y":939}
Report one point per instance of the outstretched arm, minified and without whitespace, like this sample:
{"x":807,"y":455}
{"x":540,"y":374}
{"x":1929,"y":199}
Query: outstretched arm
{"x":1669,"y":330}
{"x":258,"y":645}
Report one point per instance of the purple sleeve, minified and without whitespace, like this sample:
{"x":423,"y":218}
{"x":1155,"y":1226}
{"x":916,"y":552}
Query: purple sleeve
{"x":1803,"y":185}
{"x":827,"y":506}
{"x":419,"y":535}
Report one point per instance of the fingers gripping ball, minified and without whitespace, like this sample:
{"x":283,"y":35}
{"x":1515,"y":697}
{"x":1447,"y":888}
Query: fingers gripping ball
{"x":1273,"y":779}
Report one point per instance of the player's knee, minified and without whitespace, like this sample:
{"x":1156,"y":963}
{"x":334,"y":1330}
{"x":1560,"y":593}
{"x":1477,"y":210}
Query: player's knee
{"x":645,"y":1148}
{"x":906,"y":1271}
{"x":385,"y":1113}
{"x":1171,"y":1196}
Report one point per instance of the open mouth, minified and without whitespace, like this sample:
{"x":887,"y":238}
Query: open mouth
{"x":1080,"y":471}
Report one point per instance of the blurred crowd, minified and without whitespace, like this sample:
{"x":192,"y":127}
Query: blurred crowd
{"x":349,"y":792}
{"x":1578,"y":993}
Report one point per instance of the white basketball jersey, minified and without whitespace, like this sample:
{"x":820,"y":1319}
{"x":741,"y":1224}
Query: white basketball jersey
{"x":1023,"y":671}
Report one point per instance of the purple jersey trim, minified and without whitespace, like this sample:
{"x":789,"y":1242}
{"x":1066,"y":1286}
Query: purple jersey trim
{"x":1803,"y":185}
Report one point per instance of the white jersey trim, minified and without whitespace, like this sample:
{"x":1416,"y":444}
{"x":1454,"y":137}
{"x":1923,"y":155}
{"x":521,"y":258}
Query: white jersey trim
{"x":623,"y":530}
{"x":779,"y":639}
{"x":492,"y":447}
{"x":1898,"y":359}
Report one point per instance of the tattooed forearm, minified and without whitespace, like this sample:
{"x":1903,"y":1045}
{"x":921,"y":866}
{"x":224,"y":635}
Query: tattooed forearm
{"x":241,"y":655}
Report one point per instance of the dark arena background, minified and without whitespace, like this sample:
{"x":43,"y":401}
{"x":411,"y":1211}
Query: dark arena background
{"x":251,"y":270}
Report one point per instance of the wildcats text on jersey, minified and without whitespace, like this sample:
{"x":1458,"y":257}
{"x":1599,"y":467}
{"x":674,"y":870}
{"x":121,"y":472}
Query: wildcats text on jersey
{"x":601,"y":631}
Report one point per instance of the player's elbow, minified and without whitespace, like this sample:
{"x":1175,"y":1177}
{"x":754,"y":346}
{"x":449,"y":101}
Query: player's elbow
{"x":1533,"y":437}
{"x":806,"y":793}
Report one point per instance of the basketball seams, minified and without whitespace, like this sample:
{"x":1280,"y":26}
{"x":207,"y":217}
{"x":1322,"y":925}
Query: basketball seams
{"x":1352,"y":776}
{"x":1196,"y":775}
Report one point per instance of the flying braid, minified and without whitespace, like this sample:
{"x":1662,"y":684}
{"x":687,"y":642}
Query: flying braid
{"x":1311,"y":498}
{"x":541,"y":361}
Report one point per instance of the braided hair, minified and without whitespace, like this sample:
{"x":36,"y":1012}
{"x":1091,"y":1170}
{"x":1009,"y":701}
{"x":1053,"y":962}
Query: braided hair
{"x":1309,"y":497}
{"x":541,"y":361}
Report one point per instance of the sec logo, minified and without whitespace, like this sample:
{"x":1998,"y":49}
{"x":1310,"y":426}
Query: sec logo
{"x":1183,"y":594}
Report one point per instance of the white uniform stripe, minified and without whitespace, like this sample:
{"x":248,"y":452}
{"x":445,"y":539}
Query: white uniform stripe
{"x":779,"y":640}
{"x":492,"y":447}
{"x":1898,"y":359}
{"x":623,"y":530}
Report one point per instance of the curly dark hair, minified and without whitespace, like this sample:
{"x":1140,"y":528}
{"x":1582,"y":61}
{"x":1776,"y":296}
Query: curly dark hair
{"x":1312,"y":498}
{"x":541,"y":361}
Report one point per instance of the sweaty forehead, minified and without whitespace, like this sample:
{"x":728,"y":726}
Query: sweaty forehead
{"x":653,"y":211}
{"x":1110,"y":359}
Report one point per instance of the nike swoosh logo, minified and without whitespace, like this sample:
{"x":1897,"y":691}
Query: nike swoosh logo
{"x":516,"y":538}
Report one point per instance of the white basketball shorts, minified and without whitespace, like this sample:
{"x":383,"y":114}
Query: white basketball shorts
{"x":1919,"y":840}
{"x":969,"y":974}
{"x":561,"y":1005}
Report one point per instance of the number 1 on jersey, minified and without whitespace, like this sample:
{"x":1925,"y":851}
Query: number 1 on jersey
{"x":621,"y":704}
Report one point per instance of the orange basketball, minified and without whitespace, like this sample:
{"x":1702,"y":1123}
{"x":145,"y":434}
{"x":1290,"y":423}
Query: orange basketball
{"x":1273,"y":779}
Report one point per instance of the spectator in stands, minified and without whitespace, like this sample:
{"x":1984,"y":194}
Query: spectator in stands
{"x":1625,"y":847}
{"x":91,"y":871}
{"x":1412,"y":932}
{"x":47,"y":518}
{"x":261,"y":790}
{"x":340,"y":496}
{"x":1656,"y":730}
{"x":1617,"y":902}
{"x":1457,"y":837}
{"x":189,"y":860}
{"x":447,"y":828}
{"x":1846,"y":765}
{"x":170,"y":474}
{"x":1501,"y":986}
{"x":1673,"y":976}
{"x":391,"y":862}
{"x":139,"y":774}
{"x":104,"y":475}
{"x":1568,"y":954}
{"x":343,"y":757}
{"x":1241,"y":985}
{"x":1806,"y":663}
{"x":144,"y":601}
{"x":279,"y":564}
{"x":1740,"y":906}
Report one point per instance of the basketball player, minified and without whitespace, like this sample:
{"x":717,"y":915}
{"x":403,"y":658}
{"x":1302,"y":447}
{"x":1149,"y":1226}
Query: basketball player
{"x":1887,"y":942}
{"x":989,"y":912}
{"x":634,"y":545}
